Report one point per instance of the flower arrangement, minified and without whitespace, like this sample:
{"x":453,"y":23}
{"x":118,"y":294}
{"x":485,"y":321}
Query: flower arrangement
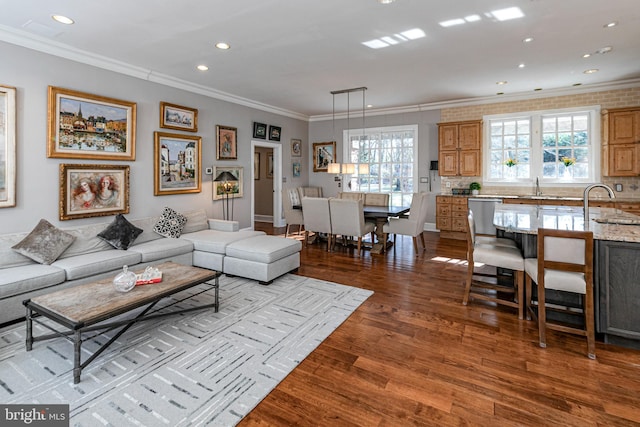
{"x":510,"y":162}
{"x":568,"y":161}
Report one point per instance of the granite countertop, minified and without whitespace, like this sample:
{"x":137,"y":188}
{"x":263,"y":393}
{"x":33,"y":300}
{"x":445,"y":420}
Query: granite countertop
{"x":528,"y":218}
{"x":549,"y":197}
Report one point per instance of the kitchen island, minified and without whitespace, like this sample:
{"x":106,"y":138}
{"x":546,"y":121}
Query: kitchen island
{"x":616,"y":259}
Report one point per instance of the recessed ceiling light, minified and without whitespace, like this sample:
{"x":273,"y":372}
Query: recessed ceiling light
{"x":472,"y":18}
{"x":62,"y":19}
{"x":611,"y":24}
{"x":499,"y":93}
{"x":502,"y":82}
{"x":521,"y":65}
{"x":538,"y":89}
{"x":386,"y":1}
{"x":591,"y":71}
{"x":202,"y":67}
{"x":451,"y":22}
{"x":586,"y":55}
{"x":223,"y":45}
{"x":369,"y":106}
{"x":527,"y":40}
{"x":507,"y":14}
{"x":577,"y":84}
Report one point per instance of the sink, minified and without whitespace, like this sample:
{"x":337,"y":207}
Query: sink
{"x":621,"y":221}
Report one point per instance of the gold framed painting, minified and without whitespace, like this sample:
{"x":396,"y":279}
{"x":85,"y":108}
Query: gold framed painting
{"x":323,"y":154}
{"x":93,"y":190}
{"x":7,"y":146}
{"x":177,"y":163}
{"x":227,"y":143}
{"x":85,"y":126}
{"x":177,"y":117}
{"x":236,"y":186}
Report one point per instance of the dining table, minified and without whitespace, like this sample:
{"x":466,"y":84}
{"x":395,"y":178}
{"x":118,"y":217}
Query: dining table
{"x":379,"y":214}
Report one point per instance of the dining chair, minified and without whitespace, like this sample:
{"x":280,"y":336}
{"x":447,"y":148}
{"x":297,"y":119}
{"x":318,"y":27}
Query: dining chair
{"x":376,"y":199}
{"x":309,"y":192}
{"x":413,"y":225}
{"x":564,"y":263}
{"x":347,"y":219}
{"x":351,"y":195}
{"x":291,"y":198}
{"x":317,"y":217}
{"x":497,"y":256}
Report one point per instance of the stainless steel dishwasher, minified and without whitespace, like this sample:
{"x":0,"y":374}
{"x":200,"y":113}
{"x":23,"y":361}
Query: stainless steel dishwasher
{"x":483,"y":209}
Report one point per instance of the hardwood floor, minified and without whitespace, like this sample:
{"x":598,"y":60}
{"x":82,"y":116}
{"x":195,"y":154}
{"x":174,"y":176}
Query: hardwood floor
{"x":412,"y":354}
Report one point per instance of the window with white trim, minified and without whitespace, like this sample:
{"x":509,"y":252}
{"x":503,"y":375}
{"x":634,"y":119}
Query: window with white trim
{"x":557,"y":147}
{"x":392,"y":156}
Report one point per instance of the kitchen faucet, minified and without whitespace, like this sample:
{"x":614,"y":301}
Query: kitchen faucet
{"x":586,"y":200}
{"x":538,"y":192}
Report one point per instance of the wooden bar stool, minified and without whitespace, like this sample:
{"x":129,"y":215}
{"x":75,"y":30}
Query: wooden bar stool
{"x":503,"y":255}
{"x":564,"y":263}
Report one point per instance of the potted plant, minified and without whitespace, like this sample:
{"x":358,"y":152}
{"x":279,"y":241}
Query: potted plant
{"x":475,"y":188}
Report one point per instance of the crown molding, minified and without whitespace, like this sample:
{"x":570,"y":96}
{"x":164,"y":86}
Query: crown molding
{"x":42,"y":44}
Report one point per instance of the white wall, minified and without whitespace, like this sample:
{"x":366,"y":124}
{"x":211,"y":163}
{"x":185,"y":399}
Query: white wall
{"x":37,"y":192}
{"x":323,"y":131}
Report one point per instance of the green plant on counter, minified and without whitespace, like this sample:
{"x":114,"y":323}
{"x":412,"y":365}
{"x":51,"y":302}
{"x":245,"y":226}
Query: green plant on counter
{"x":475,"y":186}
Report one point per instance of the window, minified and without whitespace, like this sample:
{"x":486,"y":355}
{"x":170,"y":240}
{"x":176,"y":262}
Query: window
{"x":557,"y":147}
{"x":392,"y":156}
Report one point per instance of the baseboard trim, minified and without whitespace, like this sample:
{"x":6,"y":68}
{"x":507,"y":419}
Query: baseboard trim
{"x":263,"y":218}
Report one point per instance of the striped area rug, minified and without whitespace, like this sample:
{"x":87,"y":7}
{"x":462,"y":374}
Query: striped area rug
{"x":198,"y":368}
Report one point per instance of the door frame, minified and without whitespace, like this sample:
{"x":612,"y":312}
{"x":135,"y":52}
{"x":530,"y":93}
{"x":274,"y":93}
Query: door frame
{"x":278,"y":220}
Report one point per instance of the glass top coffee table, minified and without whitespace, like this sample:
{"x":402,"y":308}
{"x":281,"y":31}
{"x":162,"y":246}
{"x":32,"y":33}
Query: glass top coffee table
{"x":89,"y":307}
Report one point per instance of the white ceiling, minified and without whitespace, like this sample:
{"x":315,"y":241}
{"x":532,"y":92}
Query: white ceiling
{"x":290,"y":54}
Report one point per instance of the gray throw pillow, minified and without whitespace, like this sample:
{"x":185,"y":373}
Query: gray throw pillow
{"x":170,"y":224}
{"x":120,"y":233}
{"x":45,"y":243}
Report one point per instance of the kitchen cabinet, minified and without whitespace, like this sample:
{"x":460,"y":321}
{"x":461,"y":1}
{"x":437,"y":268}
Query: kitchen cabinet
{"x":617,"y":295}
{"x":451,"y":216}
{"x":460,"y":148}
{"x":621,"y":142}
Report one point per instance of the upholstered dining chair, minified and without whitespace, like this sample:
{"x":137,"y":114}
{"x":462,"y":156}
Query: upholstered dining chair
{"x":376,"y":199}
{"x":564,"y":263}
{"x":291,"y":198}
{"x":413,"y":225}
{"x":351,"y":195}
{"x":498,"y":256}
{"x":317,"y":217}
{"x":347,"y":219}
{"x":309,"y":192}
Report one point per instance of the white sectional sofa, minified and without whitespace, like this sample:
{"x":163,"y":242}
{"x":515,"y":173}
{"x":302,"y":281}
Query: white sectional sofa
{"x":204,"y":243}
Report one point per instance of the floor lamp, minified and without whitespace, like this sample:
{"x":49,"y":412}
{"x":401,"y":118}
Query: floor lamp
{"x":227,"y":179}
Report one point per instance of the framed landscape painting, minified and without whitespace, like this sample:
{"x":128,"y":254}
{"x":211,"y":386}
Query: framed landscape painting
{"x":93,"y":190}
{"x":178,"y":117}
{"x":323,"y":154}
{"x":226,"y":143}
{"x":7,"y":146}
{"x":236,"y":189}
{"x":177,"y":164}
{"x":85,"y":126}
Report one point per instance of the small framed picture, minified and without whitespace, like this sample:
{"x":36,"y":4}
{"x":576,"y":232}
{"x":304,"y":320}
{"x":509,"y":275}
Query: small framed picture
{"x":274,"y":133}
{"x":296,"y":148}
{"x":269,"y":165}
{"x":178,"y":164}
{"x":178,"y":117}
{"x":323,"y":154}
{"x":226,"y":138}
{"x":256,"y":166}
{"x":259,"y":130}
{"x":93,"y":190}
{"x":296,"y":169}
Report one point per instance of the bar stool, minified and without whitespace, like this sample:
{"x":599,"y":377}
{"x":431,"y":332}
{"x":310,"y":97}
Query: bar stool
{"x":564,"y":263}
{"x":497,"y":255}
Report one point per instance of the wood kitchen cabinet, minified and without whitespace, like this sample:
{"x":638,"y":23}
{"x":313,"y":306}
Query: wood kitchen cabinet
{"x":460,"y":148}
{"x":451,"y":216}
{"x":621,"y":142}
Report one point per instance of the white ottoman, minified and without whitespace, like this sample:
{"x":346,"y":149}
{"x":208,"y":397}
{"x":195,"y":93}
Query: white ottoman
{"x":262,"y":258}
